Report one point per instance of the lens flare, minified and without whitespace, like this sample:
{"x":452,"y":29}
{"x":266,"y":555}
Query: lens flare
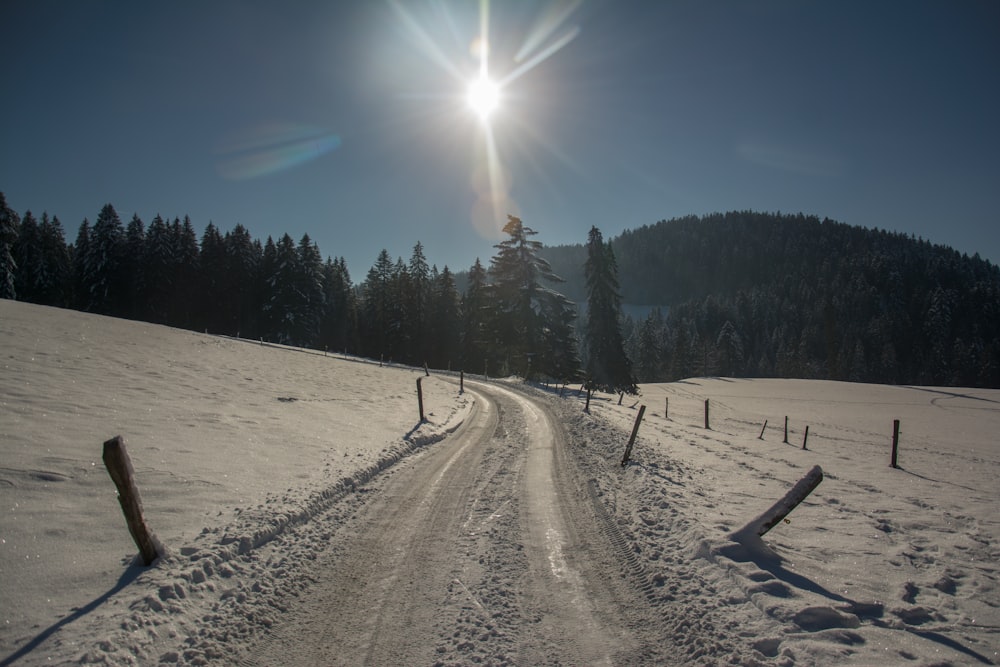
{"x":268,"y":149}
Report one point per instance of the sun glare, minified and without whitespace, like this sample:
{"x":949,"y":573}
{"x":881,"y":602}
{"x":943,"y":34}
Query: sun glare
{"x":483,"y":97}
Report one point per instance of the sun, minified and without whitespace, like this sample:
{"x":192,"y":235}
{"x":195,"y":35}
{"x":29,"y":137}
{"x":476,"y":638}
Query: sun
{"x":483,"y":96}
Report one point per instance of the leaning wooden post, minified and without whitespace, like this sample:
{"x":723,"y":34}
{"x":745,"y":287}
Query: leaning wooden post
{"x":805,"y":437}
{"x":119,"y":466}
{"x":706,"y":413}
{"x":420,"y":399}
{"x":426,"y":372}
{"x":895,"y":441}
{"x":631,"y":439}
{"x":780,"y":509}
{"x":761,"y":436}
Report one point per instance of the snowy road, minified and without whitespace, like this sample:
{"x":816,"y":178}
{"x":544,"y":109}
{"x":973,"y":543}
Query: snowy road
{"x":483,"y":548}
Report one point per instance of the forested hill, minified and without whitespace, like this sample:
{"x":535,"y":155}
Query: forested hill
{"x":754,"y":294}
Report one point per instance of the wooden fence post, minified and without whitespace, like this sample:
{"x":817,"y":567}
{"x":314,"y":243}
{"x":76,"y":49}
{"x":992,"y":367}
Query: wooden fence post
{"x":420,"y":400}
{"x":786,"y":430}
{"x":761,"y":436}
{"x":706,"y":413}
{"x":119,"y":466}
{"x":631,"y":440}
{"x":805,"y":437}
{"x":461,"y":382}
{"x":666,"y":407}
{"x":895,"y":441}
{"x":586,"y":407}
{"x":780,"y":509}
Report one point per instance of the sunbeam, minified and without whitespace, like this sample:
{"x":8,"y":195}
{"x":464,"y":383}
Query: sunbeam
{"x":486,"y":75}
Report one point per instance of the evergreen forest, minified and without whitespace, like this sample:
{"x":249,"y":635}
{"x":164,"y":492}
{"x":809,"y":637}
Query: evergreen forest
{"x":738,"y":294}
{"x":746,"y":294}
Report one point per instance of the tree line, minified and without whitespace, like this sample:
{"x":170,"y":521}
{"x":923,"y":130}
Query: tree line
{"x":751,"y":294}
{"x":508,"y":320}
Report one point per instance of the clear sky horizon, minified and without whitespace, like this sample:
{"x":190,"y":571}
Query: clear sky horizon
{"x":349,"y":120}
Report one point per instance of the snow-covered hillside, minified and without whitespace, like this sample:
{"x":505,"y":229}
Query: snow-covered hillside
{"x":237,"y":445}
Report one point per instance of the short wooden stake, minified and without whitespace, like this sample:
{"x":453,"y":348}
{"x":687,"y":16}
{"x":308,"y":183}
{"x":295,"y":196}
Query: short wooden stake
{"x":780,"y":509}
{"x":805,"y":437}
{"x":426,"y":372}
{"x":420,"y":400}
{"x":586,"y":407}
{"x":761,"y":436}
{"x":621,"y":397}
{"x":631,"y":439}
{"x":666,"y":407}
{"x":461,"y":382}
{"x":895,"y":442}
{"x":119,"y":466}
{"x":706,"y":413}
{"x":786,"y":430}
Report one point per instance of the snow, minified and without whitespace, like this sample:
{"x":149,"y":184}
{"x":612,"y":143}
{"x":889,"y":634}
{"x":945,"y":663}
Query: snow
{"x":231,"y":442}
{"x":237,"y":446}
{"x":878,"y":565}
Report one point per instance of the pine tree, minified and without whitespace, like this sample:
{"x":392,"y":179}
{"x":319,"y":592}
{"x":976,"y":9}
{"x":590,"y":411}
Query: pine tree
{"x":308,"y":293}
{"x":158,"y":272}
{"x":215,"y":304}
{"x":135,"y":267}
{"x":474,"y":318}
{"x":58,"y":285}
{"x":650,"y":348}
{"x":445,"y":327}
{"x":376,"y":298}
{"x":529,"y":321}
{"x":283,"y":302}
{"x":105,"y":263}
{"x":80,"y":253}
{"x":242,"y":283}
{"x":30,"y":269}
{"x":8,"y":238}
{"x":418,"y":300}
{"x":340,"y":319}
{"x":607,"y":366}
{"x":730,"y":347}
{"x":186,"y":288}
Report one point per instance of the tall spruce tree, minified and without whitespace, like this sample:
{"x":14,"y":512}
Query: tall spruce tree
{"x":105,"y":285}
{"x":158,"y":272}
{"x":28,"y":260}
{"x":56,"y":289}
{"x":474,"y":317}
{"x":376,"y":298}
{"x":8,"y":238}
{"x":81,"y":250}
{"x":529,"y":321}
{"x":134,"y":266}
{"x":607,"y":366}
{"x":445,"y":324}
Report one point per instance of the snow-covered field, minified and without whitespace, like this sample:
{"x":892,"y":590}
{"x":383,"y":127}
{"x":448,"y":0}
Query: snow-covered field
{"x":877,"y":566}
{"x":231,"y":442}
{"x":236,"y":444}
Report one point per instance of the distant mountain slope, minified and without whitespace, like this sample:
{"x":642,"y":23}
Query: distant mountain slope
{"x":803,"y":297}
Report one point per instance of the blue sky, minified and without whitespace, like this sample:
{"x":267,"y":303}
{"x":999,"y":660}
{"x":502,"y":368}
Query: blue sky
{"x":348,"y":120}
